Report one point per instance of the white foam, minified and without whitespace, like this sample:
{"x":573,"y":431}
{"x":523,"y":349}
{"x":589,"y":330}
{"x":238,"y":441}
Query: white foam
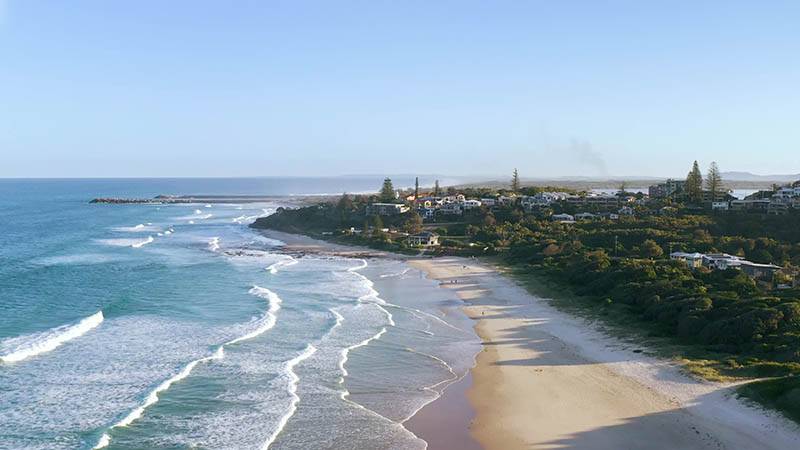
{"x":23,"y":347}
{"x":273,"y":269}
{"x":398,"y":274}
{"x":197,"y":211}
{"x":213,"y":244}
{"x":293,"y":379}
{"x":208,"y":206}
{"x":373,"y":294}
{"x":152,"y":397}
{"x":267,"y":322}
{"x":144,"y":242}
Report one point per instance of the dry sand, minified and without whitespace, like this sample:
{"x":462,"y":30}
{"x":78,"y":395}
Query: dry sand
{"x":546,"y":379}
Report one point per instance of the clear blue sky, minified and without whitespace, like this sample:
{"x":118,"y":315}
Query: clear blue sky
{"x":197,"y":88}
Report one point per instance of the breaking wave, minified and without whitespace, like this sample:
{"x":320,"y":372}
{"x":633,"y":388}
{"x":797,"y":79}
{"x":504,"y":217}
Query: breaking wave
{"x":24,"y":347}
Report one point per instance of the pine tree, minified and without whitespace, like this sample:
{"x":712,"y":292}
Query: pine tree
{"x":387,"y":191}
{"x":436,"y":189}
{"x":714,"y":181}
{"x":416,"y":190}
{"x":694,"y":184}
{"x":515,"y":182}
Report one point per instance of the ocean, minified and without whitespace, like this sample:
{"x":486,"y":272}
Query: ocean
{"x":136,"y":326}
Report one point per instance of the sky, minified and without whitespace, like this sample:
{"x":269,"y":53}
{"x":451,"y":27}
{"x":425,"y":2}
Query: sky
{"x":267,"y":88}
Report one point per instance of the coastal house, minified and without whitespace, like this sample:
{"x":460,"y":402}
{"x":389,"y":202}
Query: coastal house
{"x":457,"y":198}
{"x":563,"y":218}
{"x":426,"y":212}
{"x":755,"y":270}
{"x":386,"y":209}
{"x":692,"y":260}
{"x":424,"y":238}
{"x":451,"y":208}
{"x":467,"y":205}
{"x":666,"y":189}
{"x":745,"y":205}
{"x":778,"y":208}
{"x":626,"y":211}
{"x":489,"y":201}
{"x":720,"y":206}
{"x":586,"y":216}
{"x":504,"y":200}
{"x":722,"y":261}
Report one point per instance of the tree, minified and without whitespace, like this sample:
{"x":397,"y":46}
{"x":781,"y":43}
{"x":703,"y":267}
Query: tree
{"x":694,"y":184}
{"x":436,"y":189}
{"x":622,"y":189}
{"x":714,"y":181}
{"x":413,"y":224}
{"x":416,"y":190}
{"x":515,"y":182}
{"x":387,"y":191}
{"x":650,"y":249}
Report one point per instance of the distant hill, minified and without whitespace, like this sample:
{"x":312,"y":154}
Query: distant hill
{"x":747,"y":176}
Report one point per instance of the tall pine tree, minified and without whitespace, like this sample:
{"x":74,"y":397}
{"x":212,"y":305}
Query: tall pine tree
{"x":416,"y":189}
{"x":714,"y":181}
{"x":694,"y":184}
{"x":515,"y":182}
{"x":436,"y":189}
{"x":387,"y":191}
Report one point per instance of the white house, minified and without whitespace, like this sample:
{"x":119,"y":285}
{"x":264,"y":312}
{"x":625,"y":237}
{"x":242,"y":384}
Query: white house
{"x":720,"y":206}
{"x":424,"y":238}
{"x":586,"y":216}
{"x":563,"y":218}
{"x":692,"y":260}
{"x":386,"y":209}
{"x":466,"y":205}
{"x":626,"y":211}
{"x":489,"y":201}
{"x":503,"y":200}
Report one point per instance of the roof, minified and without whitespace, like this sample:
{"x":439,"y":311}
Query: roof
{"x":426,"y":234}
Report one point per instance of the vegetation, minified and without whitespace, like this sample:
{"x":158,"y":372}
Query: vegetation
{"x":387,"y":191}
{"x":714,"y":182}
{"x":782,"y":394}
{"x":515,"y":182}
{"x":694,"y":184}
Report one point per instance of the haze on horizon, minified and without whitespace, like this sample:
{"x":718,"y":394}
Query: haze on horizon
{"x":577,"y":88}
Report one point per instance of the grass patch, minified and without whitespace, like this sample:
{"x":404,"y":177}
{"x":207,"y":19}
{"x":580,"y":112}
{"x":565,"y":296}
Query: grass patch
{"x":780,"y":394}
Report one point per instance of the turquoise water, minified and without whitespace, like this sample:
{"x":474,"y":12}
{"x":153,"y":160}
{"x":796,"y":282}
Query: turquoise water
{"x":176,"y":326}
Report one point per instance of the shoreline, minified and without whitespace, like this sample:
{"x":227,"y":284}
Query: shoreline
{"x":547,"y":379}
{"x":443,"y":423}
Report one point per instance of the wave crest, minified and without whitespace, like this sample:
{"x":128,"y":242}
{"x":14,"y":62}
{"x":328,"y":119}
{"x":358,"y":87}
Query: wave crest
{"x":24,"y":347}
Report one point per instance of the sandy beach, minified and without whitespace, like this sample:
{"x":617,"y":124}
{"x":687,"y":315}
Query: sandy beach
{"x":546,"y":379}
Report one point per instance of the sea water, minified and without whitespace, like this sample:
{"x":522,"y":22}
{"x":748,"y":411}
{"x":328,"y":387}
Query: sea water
{"x":176,"y":326}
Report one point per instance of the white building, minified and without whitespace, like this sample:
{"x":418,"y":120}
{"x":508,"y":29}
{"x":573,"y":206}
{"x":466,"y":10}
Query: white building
{"x":563,"y":218}
{"x":692,"y":260}
{"x":424,"y":238}
{"x":467,"y":205}
{"x":720,"y":206}
{"x":489,"y":201}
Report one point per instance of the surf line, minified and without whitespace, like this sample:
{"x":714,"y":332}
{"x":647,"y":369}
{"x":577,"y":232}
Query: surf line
{"x":269,"y":320}
{"x":38,"y":343}
{"x":293,"y":379}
